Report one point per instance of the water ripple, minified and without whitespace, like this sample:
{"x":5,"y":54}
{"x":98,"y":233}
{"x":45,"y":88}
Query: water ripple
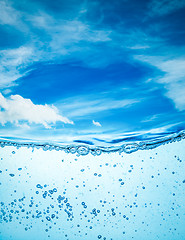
{"x":83,"y":150}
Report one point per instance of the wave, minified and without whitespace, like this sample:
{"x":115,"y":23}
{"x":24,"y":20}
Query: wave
{"x":87,"y":146}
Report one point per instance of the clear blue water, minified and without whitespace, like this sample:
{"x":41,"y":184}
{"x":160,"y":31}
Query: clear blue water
{"x":73,"y":195}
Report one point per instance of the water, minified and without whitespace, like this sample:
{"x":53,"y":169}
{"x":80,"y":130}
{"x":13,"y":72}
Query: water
{"x":86,"y":192}
{"x":92,"y":110}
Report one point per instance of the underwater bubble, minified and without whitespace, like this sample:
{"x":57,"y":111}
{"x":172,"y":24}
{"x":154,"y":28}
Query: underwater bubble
{"x":45,"y":194}
{"x":96,"y":152}
{"x":129,"y":148}
{"x":83,"y":150}
{"x":72,"y":150}
{"x":48,"y":218}
{"x":39,"y":186}
{"x":12,"y":175}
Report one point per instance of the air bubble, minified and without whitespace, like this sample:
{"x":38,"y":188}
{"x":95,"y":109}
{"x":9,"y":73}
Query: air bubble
{"x":39,"y":186}
{"x":82,"y":150}
{"x":12,"y":175}
{"x":129,"y":148}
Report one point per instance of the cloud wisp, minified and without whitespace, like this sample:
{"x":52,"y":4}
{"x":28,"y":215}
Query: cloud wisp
{"x":13,"y":64}
{"x":18,"y":110}
{"x":172,"y":79}
{"x":97,"y":124}
{"x":164,"y":7}
{"x":47,"y":38}
{"x":84,"y":106}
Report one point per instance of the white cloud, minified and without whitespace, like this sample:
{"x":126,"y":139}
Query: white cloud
{"x":151,"y":118}
{"x":16,"y":57}
{"x":13,"y":64}
{"x":65,"y":35}
{"x":11,"y":16}
{"x":164,"y":129}
{"x":97,"y":124}
{"x":162,"y":7}
{"x":173,"y":77}
{"x":138,"y":47}
{"x":8,"y":14}
{"x":48,"y":39}
{"x":17,"y":109}
{"x":68,"y":30}
{"x":84,"y":106}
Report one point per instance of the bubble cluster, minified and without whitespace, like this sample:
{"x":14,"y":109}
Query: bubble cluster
{"x":98,"y":198}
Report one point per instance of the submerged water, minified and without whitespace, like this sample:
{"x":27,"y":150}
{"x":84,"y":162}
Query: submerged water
{"x":108,"y":194}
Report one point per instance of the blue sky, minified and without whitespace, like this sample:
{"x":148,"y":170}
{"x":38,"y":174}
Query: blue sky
{"x":79,"y":70}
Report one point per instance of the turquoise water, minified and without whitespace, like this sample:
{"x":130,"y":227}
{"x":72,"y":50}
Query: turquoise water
{"x":108,"y":195}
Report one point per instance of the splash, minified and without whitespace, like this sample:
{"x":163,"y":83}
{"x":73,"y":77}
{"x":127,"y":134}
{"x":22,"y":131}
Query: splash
{"x":83,"y":150}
